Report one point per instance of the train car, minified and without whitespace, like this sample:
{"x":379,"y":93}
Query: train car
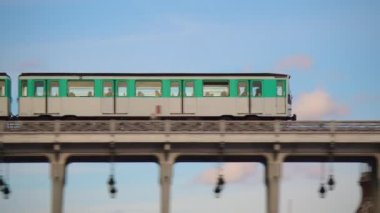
{"x":5,"y":96}
{"x":137,"y":95}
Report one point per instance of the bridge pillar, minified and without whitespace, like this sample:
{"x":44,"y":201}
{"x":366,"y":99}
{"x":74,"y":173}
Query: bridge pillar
{"x":166,"y":176}
{"x":57,"y":172}
{"x":272,"y":179}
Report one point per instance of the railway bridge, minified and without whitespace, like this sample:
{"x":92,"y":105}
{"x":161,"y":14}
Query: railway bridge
{"x":167,"y":142}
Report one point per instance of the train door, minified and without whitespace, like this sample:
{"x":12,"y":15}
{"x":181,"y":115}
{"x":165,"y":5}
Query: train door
{"x":243,"y":98}
{"x":182,"y":97}
{"x":108,"y":97}
{"x":176,"y":99}
{"x":280,"y":97}
{"x":39,"y":101}
{"x":257,"y":104}
{"x":189,"y":101}
{"x":121,"y":97}
{"x":53,"y":100}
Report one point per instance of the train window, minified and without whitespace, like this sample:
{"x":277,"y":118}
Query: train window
{"x":80,"y":88}
{"x":39,"y":89}
{"x":24,"y":88}
{"x":189,"y":89}
{"x":280,"y":88}
{"x":216,"y":89}
{"x":107,"y":89}
{"x":54,"y":89}
{"x":2,"y":88}
{"x":174,"y":89}
{"x":148,"y":88}
{"x":242,"y":89}
{"x":122,"y":89}
{"x":257,"y":89}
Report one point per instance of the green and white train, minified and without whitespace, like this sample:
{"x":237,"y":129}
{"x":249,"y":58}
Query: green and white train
{"x":5,"y":96}
{"x":143,"y":95}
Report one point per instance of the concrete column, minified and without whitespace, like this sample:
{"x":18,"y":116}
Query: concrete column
{"x":57,"y":169}
{"x":272,"y":179}
{"x":166,"y":175}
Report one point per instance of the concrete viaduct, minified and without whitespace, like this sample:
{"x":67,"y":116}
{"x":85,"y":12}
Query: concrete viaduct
{"x":167,"y":142}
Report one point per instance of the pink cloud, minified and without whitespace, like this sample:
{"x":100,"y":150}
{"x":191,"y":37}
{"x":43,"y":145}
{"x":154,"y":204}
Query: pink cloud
{"x":317,"y":105}
{"x":233,"y":172}
{"x":241,"y":172}
{"x":296,"y":62}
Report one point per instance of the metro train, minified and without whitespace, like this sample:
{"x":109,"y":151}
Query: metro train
{"x":147,"y":95}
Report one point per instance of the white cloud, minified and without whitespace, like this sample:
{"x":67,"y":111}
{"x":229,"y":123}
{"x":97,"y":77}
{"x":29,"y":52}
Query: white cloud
{"x":317,"y":105}
{"x":233,"y":172}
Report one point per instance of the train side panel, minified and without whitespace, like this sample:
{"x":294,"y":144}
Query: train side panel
{"x":148,"y":106}
{"x":81,"y":106}
{"x":203,"y":96}
{"x":25,"y":107}
{"x":4,"y":106}
{"x":241,"y":106}
{"x":216,"y":106}
{"x":122,"y":106}
{"x":54,"y":106}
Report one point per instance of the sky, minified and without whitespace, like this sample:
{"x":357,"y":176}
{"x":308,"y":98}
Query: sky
{"x":329,"y":47}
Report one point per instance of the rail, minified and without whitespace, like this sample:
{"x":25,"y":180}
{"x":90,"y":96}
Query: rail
{"x":189,"y":126}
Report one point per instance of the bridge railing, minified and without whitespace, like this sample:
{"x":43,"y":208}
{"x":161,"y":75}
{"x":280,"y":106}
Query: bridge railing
{"x":188,"y":126}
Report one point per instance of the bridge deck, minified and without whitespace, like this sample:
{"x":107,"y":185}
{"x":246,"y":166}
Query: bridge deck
{"x":190,"y":140}
{"x":190,"y":131}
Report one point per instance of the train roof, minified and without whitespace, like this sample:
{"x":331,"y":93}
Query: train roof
{"x":4,"y":74}
{"x":156,"y":74}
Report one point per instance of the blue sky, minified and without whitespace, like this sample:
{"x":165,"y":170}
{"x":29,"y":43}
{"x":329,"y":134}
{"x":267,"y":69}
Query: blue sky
{"x":330,"y":47}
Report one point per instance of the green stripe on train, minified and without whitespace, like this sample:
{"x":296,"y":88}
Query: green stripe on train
{"x":269,"y":87}
{"x":8,"y":86}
